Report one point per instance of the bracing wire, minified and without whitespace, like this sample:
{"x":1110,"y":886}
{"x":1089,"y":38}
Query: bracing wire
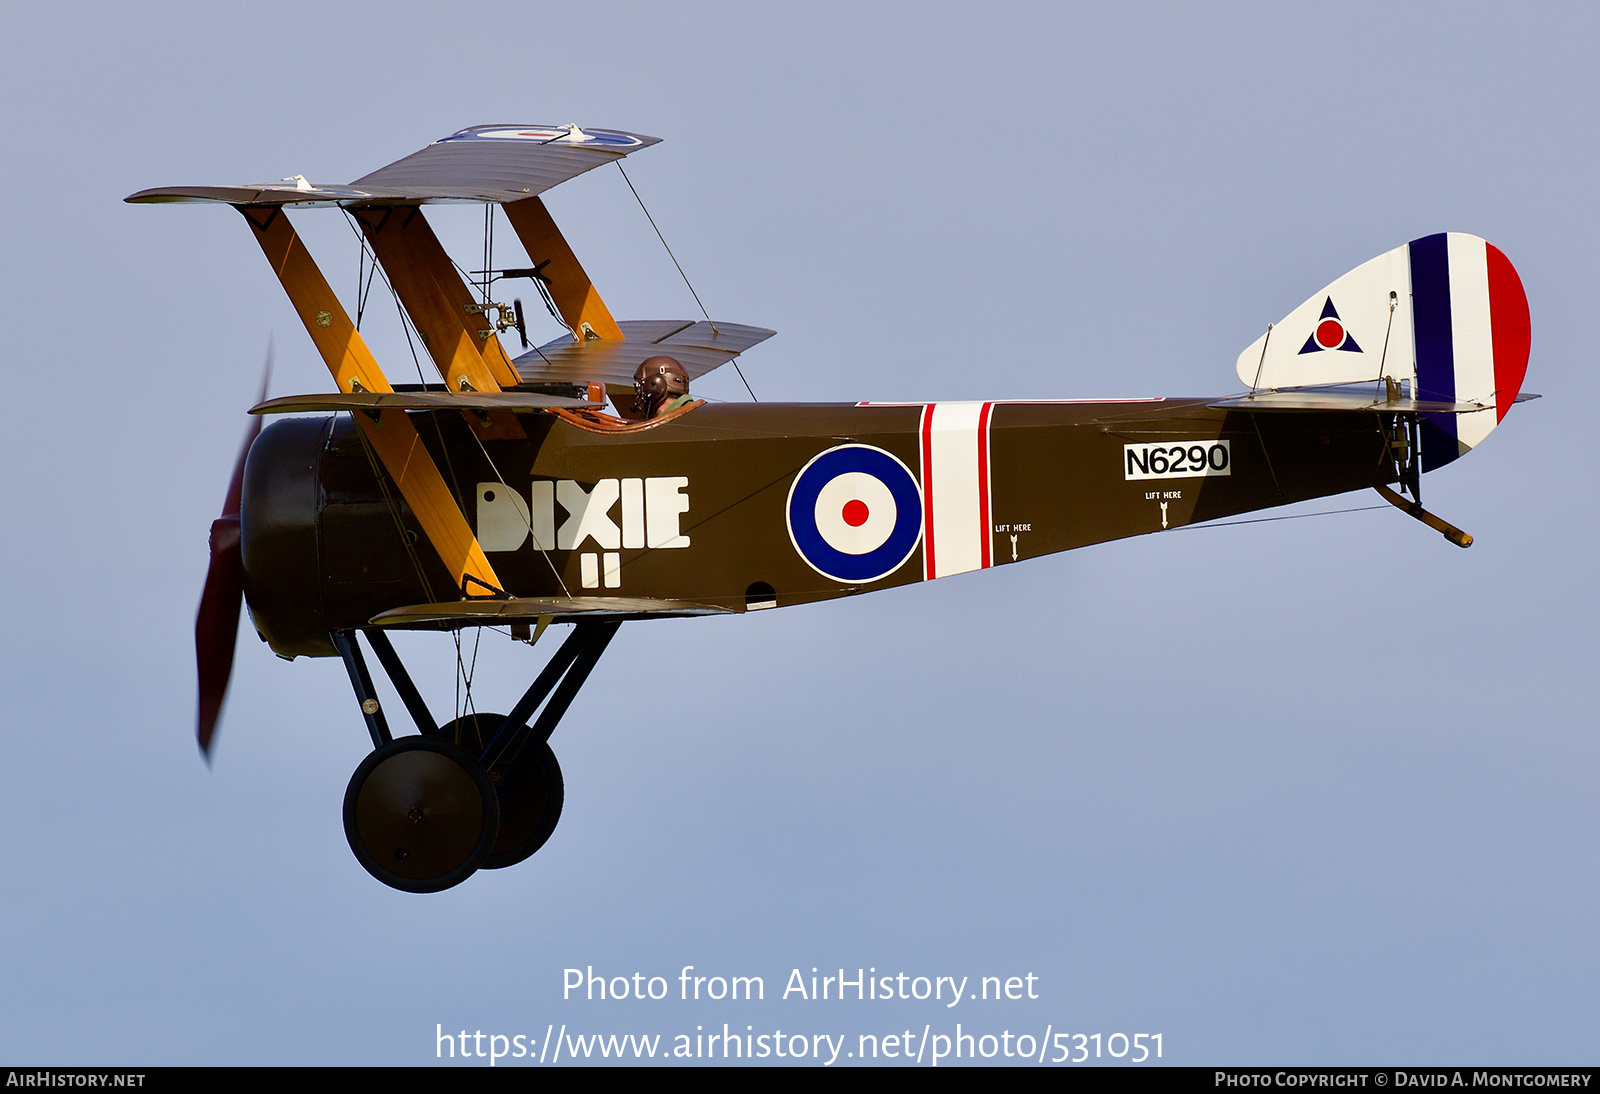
{"x":1291,"y":516}
{"x":366,"y":445}
{"x":488,"y":248}
{"x":542,"y":549}
{"x":364,"y":278}
{"x":405,"y":326}
{"x":734,"y":361}
{"x":405,"y":320}
{"x":416,"y":359}
{"x":465,"y":672}
{"x":664,"y":243}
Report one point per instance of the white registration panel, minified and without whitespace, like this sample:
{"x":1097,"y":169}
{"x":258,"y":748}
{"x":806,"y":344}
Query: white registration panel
{"x":1176,"y":460}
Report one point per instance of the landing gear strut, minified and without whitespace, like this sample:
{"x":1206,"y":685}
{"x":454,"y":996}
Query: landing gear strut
{"x":423,"y":813}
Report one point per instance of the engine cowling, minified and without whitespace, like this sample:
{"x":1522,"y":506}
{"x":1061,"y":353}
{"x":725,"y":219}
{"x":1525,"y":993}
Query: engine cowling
{"x":324,"y":549}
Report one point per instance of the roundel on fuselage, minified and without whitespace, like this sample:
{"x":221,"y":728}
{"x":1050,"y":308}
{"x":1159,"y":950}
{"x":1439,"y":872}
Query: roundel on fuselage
{"x":854,"y":514}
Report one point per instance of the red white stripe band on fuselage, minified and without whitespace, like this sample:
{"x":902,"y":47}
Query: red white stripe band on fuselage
{"x":956,"y":523}
{"x":957,"y":519}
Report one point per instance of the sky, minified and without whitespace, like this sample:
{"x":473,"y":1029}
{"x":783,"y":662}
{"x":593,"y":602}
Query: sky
{"x":1313,"y":791}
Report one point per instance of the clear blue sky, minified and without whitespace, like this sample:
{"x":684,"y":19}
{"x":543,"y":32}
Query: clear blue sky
{"x":1314,"y":791}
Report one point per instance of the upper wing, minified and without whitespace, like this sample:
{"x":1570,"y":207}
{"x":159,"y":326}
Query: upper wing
{"x":480,"y":163}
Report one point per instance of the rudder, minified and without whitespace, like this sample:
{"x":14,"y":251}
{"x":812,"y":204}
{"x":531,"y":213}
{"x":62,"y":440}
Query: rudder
{"x":1445,"y":314}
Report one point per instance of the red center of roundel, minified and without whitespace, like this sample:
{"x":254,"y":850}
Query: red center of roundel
{"x":855,"y":513}
{"x":1330,"y":334}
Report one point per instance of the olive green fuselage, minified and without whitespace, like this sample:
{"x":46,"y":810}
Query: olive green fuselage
{"x":699,"y":508}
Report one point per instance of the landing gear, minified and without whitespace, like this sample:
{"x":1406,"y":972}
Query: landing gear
{"x":530,"y":790}
{"x":422,"y":813}
{"x":1403,"y":432}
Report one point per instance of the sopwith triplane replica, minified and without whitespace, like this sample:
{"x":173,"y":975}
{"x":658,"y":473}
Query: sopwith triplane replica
{"x":581,"y":482}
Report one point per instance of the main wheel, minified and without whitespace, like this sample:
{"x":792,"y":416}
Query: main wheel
{"x":531,"y":791}
{"x":421,"y":814}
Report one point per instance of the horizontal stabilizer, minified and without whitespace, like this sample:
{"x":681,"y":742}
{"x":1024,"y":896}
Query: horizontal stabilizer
{"x":488,"y":613}
{"x":483,"y":163}
{"x":1363,"y":398}
{"x":697,"y":346}
{"x":418,"y":400}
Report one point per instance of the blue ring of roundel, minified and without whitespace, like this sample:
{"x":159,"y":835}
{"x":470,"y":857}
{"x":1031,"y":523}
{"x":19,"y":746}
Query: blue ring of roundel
{"x":802,"y":511}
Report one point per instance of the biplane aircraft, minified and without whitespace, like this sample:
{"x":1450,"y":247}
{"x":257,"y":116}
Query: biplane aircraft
{"x":545,"y":488}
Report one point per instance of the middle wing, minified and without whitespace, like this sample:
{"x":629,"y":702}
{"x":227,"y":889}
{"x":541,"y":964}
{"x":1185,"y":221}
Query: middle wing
{"x":699,"y":347}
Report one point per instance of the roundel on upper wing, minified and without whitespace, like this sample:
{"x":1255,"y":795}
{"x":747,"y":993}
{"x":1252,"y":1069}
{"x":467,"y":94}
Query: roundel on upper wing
{"x":557,"y":134}
{"x":855,"y":513}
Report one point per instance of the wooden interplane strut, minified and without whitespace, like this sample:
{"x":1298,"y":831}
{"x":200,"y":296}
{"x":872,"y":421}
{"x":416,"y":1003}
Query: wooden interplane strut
{"x":392,"y":436}
{"x":574,"y":295}
{"x":457,"y":335}
{"x":460,"y":339}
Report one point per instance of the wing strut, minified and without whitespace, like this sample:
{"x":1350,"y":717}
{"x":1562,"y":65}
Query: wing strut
{"x":392,"y":435}
{"x":459,"y":338}
{"x":553,"y":261}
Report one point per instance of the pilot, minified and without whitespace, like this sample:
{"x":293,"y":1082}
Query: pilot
{"x":660,"y":385}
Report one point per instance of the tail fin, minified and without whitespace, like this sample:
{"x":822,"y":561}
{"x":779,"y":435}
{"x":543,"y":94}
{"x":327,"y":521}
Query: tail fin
{"x":1444,"y":314}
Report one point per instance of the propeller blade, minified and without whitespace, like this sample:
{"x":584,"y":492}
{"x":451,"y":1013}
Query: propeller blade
{"x":522,"y":327}
{"x":216,"y":624}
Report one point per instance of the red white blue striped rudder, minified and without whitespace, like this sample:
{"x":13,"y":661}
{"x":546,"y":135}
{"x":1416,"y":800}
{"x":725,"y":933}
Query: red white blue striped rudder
{"x":1445,"y":315}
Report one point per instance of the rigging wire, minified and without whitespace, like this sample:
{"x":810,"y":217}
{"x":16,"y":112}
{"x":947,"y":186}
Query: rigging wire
{"x":405,"y":320}
{"x":488,"y":249}
{"x":550,"y":306}
{"x":488,"y":279}
{"x":472,"y":671}
{"x":541,"y":548}
{"x":407,"y":540}
{"x":1292,"y":516}
{"x":363,"y":280}
{"x":734,"y":361}
{"x":455,"y":486}
{"x":465,"y":672}
{"x":406,"y":327}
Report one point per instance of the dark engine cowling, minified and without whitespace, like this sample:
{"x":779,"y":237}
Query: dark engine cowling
{"x":324,"y":548}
